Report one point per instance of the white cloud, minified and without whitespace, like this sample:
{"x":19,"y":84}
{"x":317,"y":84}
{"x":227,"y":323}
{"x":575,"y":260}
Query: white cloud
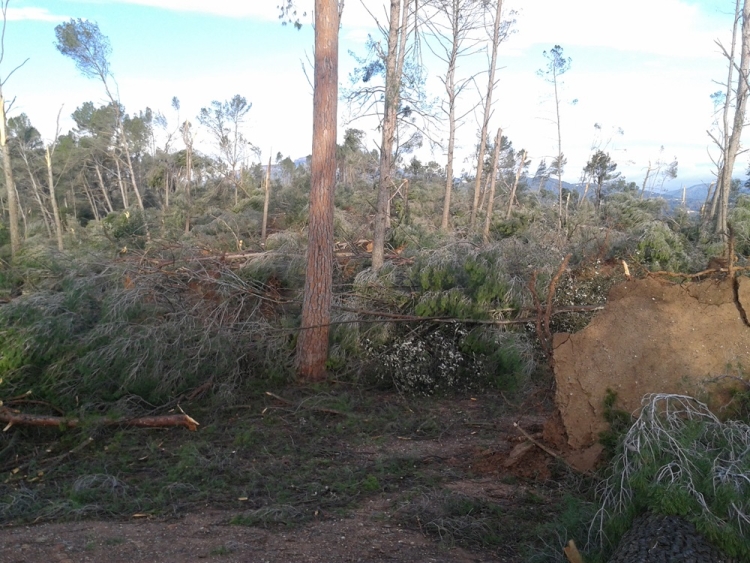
{"x":34,"y":14}
{"x":661,"y":27}
{"x":260,"y":9}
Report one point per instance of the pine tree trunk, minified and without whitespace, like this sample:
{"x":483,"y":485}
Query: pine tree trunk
{"x":266,"y":199}
{"x":99,"y":176}
{"x":397,"y":34}
{"x":10,"y":187}
{"x":515,"y":185}
{"x":491,"y":200}
{"x":312,"y":344}
{"x":487,"y":113}
{"x":53,"y":200}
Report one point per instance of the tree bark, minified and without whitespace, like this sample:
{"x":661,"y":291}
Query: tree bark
{"x":725,"y":181}
{"x":103,"y":187}
{"x":512,"y":197}
{"x":493,"y":181}
{"x":397,"y":34}
{"x":10,"y":186}
{"x":487,"y":113}
{"x":312,"y":344}
{"x":37,"y":195}
{"x":53,"y":200}
{"x":266,"y":199}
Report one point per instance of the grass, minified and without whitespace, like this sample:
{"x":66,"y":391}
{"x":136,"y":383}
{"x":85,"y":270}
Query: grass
{"x":316,"y":454}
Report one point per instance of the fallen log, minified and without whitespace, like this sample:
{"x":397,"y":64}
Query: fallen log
{"x":12,"y":418}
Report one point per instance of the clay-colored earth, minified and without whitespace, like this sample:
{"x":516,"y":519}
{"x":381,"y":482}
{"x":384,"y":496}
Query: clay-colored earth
{"x":653,"y":336}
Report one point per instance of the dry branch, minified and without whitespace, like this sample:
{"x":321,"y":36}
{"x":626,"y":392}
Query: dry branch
{"x":542,"y":320}
{"x":12,"y":418}
{"x":572,"y":553}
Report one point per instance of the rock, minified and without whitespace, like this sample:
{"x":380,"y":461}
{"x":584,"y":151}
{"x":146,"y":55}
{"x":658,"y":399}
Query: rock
{"x":668,"y":539}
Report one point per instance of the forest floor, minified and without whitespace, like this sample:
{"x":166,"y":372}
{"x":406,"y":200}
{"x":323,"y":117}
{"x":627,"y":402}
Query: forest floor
{"x":330,"y":474}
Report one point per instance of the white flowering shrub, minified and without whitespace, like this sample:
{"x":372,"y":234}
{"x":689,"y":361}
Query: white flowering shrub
{"x":453,"y":358}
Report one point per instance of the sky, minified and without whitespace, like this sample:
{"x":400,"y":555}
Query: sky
{"x":643,"y":70}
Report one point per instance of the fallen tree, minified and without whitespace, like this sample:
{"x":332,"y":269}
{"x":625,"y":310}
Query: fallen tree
{"x":13,"y":417}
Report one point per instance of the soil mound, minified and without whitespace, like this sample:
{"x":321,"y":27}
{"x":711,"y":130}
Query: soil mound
{"x":652,"y":337}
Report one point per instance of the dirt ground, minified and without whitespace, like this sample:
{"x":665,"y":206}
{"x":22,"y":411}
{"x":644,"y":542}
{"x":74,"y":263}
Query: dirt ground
{"x":654,"y":336}
{"x":371,"y":532}
{"x":650,"y":338}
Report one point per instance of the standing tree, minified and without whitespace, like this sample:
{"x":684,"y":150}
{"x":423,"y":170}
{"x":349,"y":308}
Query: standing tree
{"x":557,"y":65}
{"x":658,"y":171}
{"x":736,"y":96}
{"x":26,"y":142}
{"x":451,"y":25}
{"x":187,"y":138}
{"x":398,"y":36}
{"x":601,"y":168}
{"x":312,"y":344}
{"x":499,"y":33}
{"x":224,"y":121}
{"x":83,"y":42}
{"x":49,"y":151}
{"x":10,"y":186}
{"x":522,"y":164}
{"x":493,"y":181}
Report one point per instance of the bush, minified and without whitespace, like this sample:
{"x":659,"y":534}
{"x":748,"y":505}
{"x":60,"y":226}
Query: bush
{"x":679,"y":459}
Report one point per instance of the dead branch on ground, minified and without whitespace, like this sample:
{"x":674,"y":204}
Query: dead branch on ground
{"x":13,"y":417}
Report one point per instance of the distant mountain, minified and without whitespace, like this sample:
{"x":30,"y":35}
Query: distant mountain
{"x":551,"y":185}
{"x":696,"y":193}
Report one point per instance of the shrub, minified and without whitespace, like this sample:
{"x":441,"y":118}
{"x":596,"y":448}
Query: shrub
{"x":679,"y":459}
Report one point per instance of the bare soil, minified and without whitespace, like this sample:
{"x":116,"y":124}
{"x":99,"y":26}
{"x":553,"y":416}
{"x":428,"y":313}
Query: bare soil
{"x":473,"y":457}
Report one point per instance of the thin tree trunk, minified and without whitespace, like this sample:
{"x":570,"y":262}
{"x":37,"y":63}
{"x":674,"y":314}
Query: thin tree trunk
{"x":265,"y":203}
{"x":37,"y":195}
{"x":166,"y":187}
{"x":730,"y":141}
{"x":725,"y":183}
{"x":188,"y":186}
{"x":10,"y":186}
{"x":450,"y":87}
{"x":485,"y":191}
{"x":110,"y":209}
{"x":397,"y":35}
{"x":123,"y":190}
{"x":559,"y":153}
{"x":312,"y":344}
{"x":91,"y":198}
{"x":53,"y":200}
{"x":648,"y":173}
{"x":491,"y":200}
{"x":515,"y":185}
{"x":487,"y":112}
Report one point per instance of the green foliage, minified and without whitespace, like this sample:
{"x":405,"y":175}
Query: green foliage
{"x":98,"y":338}
{"x":627,"y":212}
{"x":661,"y":248}
{"x":679,"y":459}
{"x":127,"y":228}
{"x":461,"y":286}
{"x":619,"y":423}
{"x":739,"y":218}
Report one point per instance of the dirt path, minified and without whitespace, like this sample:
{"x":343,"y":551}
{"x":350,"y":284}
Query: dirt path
{"x":407,"y":521}
{"x":365,"y":535}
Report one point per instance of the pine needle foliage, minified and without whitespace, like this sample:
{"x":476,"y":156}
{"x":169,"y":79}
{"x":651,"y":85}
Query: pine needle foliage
{"x":102,"y":336}
{"x":678,"y":458}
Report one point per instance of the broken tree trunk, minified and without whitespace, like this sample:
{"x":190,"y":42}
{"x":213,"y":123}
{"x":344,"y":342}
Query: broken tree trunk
{"x":12,"y":418}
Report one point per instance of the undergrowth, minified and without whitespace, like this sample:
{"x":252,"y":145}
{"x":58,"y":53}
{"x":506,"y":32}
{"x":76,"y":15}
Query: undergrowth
{"x":679,"y":459}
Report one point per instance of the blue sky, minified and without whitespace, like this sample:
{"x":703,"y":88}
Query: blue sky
{"x":645,"y":66}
